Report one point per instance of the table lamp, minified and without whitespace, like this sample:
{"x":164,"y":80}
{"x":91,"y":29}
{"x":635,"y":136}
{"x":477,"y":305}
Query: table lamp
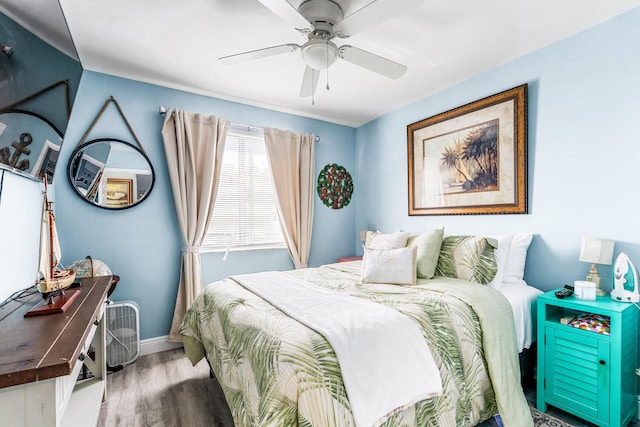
{"x":596,"y":251}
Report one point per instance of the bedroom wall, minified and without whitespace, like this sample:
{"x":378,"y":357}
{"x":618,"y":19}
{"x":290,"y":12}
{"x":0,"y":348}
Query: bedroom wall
{"x":583,"y":150}
{"x":143,"y":244}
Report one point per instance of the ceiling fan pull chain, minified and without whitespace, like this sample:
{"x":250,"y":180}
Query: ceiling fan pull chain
{"x":327,"y":65}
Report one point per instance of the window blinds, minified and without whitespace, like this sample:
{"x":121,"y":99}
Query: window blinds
{"x":245,"y":214}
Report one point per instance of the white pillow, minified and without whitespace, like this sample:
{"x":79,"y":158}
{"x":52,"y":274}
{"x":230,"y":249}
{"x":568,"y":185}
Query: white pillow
{"x":393,"y":266}
{"x":387,"y":240}
{"x":501,"y":254}
{"x":516,"y":259}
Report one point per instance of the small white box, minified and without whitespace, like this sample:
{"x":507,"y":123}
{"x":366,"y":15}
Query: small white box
{"x":584,"y":290}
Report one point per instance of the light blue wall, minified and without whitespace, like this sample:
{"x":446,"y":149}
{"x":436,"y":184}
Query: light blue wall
{"x":584,"y":149}
{"x":142,"y":244}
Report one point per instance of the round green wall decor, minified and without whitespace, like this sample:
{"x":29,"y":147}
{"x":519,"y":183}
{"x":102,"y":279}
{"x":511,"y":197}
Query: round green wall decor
{"x":335,"y":186}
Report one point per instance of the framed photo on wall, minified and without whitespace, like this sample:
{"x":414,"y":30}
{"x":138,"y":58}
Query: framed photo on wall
{"x":472,"y":159}
{"x":119,"y":192}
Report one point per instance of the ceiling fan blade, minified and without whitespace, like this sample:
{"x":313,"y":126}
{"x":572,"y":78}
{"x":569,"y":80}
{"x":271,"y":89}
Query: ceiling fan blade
{"x":372,"y":62}
{"x":288,"y":13}
{"x":259,"y":53}
{"x":309,"y":82}
{"x":371,"y":14}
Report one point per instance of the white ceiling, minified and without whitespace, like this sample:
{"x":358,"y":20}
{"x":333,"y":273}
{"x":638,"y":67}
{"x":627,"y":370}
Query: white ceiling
{"x":177,"y":44}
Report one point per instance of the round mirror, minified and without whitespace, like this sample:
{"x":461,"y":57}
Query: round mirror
{"x":110,"y":173}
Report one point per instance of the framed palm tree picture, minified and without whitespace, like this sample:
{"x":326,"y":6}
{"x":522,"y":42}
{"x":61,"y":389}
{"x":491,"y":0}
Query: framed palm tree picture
{"x":472,"y":159}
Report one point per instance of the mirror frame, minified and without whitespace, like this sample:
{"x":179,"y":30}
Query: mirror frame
{"x":80,"y":148}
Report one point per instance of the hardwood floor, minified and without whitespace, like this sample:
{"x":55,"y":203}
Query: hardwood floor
{"x":164,"y":390}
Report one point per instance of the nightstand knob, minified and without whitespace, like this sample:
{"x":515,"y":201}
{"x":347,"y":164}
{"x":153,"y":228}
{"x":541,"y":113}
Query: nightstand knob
{"x":602,"y":362}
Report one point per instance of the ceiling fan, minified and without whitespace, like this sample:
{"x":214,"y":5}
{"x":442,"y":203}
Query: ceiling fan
{"x":321,"y":21}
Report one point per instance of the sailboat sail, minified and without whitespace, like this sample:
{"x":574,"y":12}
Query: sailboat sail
{"x":44,"y":268}
{"x":56,"y":251}
{"x":462,"y":174}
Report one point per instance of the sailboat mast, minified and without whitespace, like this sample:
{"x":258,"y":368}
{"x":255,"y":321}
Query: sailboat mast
{"x":47,"y":206}
{"x":50,"y":214}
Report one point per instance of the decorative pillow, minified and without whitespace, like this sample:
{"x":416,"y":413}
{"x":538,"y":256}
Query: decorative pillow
{"x":514,"y":270}
{"x":393,"y":266}
{"x":598,"y":323}
{"x":428,"y":245}
{"x":501,"y":254}
{"x":468,"y":257}
{"x":386,"y":240}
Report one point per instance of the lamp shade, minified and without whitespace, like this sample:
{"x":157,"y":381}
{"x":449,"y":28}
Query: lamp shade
{"x":596,"y":251}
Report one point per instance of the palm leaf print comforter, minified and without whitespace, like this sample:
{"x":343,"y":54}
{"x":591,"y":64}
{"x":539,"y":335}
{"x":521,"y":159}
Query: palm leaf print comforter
{"x":274,"y":371}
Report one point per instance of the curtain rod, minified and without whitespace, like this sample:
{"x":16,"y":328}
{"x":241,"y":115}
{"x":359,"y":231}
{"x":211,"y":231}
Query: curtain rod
{"x":163,"y":110}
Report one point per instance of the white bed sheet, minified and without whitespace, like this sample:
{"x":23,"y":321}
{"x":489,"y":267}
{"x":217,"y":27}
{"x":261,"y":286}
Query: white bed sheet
{"x":523,"y":302}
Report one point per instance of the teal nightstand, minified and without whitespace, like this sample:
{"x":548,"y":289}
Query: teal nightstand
{"x":588,"y":374}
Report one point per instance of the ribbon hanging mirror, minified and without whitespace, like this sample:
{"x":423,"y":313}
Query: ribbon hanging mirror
{"x":111,"y":173}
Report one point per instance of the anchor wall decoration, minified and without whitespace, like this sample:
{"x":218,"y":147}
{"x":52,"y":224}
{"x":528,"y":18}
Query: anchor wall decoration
{"x":20,"y":149}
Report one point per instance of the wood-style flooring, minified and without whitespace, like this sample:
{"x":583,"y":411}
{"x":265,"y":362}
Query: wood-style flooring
{"x":164,"y":390}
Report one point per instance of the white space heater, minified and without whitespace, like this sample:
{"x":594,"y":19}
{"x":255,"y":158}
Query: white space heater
{"x":123,"y":333}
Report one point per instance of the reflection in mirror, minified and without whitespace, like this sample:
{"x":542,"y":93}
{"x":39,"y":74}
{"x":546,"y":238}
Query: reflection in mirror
{"x":29,"y":143}
{"x":110,"y":173}
{"x":40,"y":78}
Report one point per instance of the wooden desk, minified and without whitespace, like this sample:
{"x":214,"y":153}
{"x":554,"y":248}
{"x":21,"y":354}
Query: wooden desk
{"x":41,"y":357}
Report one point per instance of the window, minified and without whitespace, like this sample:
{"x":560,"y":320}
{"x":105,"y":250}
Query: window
{"x":245,"y":215}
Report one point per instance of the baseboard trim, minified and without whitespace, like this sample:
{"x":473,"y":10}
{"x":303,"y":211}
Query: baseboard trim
{"x":157,"y":344}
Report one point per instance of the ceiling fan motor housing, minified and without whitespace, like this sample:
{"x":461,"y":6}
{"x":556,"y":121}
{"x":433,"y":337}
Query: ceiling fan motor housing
{"x":322,"y":14}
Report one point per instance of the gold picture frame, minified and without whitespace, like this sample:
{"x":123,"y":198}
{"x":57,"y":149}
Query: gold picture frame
{"x":118,"y":192}
{"x":472,"y":159}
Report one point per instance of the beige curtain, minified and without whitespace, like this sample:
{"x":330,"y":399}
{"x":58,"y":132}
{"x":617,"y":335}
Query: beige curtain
{"x":291,"y":157}
{"x":194,"y":146}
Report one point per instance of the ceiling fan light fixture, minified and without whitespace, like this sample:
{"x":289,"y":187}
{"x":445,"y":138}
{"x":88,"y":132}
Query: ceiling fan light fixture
{"x":319,"y":54}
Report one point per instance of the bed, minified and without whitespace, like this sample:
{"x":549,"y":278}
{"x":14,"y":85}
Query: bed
{"x":276,"y":370}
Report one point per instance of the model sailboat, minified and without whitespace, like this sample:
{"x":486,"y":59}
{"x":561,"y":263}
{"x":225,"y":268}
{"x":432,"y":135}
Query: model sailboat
{"x":52,"y":281}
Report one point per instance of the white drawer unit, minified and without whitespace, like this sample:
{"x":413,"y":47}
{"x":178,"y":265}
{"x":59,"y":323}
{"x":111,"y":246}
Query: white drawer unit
{"x":40,"y":381}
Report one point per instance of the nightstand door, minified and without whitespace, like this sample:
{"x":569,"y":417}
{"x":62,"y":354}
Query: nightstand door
{"x":578,"y":372}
